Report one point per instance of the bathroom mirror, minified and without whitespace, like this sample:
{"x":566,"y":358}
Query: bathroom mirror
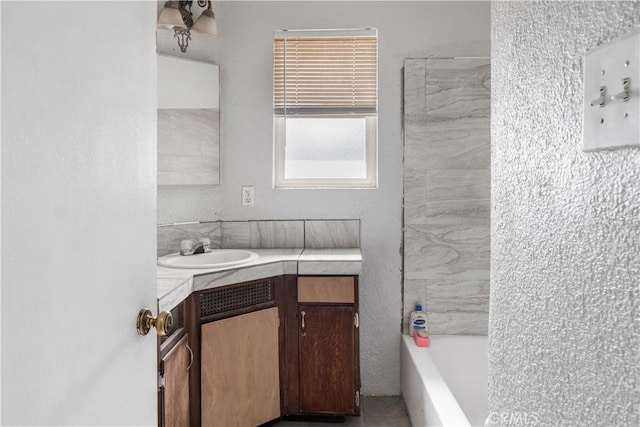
{"x":188,"y":122}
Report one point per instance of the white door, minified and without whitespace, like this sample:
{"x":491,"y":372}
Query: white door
{"x":78,"y":212}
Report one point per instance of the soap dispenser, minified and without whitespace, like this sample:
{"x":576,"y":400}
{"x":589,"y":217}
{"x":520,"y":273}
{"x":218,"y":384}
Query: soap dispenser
{"x":417,"y":320}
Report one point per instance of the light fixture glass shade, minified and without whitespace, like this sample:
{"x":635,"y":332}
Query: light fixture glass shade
{"x":206,"y":23}
{"x":170,"y":17}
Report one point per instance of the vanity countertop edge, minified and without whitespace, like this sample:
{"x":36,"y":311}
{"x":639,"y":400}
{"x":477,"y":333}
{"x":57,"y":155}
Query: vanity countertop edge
{"x":175,"y":284}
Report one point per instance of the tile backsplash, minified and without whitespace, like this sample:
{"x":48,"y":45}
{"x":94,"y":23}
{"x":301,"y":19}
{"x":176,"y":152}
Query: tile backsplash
{"x":236,"y":234}
{"x":277,"y":234}
{"x":315,"y":234}
{"x":332,"y":234}
{"x":169,"y":236}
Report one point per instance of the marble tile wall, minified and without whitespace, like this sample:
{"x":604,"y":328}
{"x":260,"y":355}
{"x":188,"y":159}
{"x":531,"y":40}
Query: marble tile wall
{"x":236,"y":234}
{"x":188,"y":147}
{"x":332,"y":234}
{"x":447,"y":193}
{"x":316,"y":234}
{"x":169,"y":236}
{"x":277,"y":234}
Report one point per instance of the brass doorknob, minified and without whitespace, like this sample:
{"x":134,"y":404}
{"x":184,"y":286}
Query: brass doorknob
{"x":146,"y":321}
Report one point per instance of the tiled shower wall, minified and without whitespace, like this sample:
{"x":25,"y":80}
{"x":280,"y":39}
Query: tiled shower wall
{"x":447,"y":193}
{"x":313,"y":234}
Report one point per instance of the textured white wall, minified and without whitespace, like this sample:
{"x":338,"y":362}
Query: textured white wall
{"x":244,"y":52}
{"x":564,"y":342}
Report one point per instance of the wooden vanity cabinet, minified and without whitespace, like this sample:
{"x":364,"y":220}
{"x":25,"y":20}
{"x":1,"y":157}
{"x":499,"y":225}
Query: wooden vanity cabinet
{"x":173,"y":386}
{"x":286,"y":345}
{"x":238,"y":369}
{"x":323,"y":362}
{"x":175,"y":359}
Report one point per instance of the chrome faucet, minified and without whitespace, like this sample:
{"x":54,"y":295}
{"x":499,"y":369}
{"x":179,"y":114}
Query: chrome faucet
{"x":201,"y":247}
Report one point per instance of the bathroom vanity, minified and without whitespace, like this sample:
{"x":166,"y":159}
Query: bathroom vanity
{"x":275,"y":337}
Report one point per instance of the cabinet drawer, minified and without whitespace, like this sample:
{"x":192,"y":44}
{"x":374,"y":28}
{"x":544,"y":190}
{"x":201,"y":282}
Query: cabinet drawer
{"x":326,"y":289}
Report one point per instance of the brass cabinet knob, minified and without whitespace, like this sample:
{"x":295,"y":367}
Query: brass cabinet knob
{"x":146,"y":321}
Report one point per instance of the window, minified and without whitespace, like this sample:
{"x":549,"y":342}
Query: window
{"x":325,"y":109}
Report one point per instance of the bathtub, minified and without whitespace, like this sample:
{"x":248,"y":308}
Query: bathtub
{"x":445,"y":384}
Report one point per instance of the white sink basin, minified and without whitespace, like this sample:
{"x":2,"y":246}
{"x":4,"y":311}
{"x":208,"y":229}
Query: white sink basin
{"x":216,"y":259}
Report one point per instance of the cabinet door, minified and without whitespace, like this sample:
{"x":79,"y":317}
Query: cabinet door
{"x":327,"y":359}
{"x":240,"y":370}
{"x":175,"y":393}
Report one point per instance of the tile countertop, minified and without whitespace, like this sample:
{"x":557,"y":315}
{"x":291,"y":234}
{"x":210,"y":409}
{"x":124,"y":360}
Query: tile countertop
{"x":176,"y":284}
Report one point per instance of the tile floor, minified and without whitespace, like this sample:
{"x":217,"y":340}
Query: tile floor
{"x":375,"y":411}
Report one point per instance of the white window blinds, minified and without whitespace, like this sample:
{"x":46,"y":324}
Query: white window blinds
{"x":325,"y":74}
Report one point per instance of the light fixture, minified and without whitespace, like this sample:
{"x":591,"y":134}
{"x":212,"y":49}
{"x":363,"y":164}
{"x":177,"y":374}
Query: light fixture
{"x":177,"y":15}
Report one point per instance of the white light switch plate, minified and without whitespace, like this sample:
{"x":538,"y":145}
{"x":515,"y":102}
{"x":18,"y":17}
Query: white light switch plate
{"x":617,"y":123}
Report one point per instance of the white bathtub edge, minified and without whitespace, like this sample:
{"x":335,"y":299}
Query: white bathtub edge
{"x":427,"y":396}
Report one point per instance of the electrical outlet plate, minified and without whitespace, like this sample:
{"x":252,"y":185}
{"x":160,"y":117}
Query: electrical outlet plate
{"x":609,"y":121}
{"x":247,"y":195}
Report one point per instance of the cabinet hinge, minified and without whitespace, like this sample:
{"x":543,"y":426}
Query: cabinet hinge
{"x":160,"y":381}
{"x":358,"y":398}
{"x":356,"y":320}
